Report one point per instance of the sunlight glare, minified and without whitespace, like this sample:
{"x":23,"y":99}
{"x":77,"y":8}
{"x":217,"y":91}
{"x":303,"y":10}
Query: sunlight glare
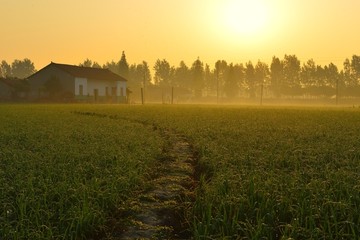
{"x":245,"y":17}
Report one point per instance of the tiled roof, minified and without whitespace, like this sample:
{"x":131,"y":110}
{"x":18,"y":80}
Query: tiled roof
{"x":88,"y":72}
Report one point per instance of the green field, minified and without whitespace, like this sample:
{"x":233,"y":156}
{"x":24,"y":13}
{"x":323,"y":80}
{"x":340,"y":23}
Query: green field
{"x":66,"y":171}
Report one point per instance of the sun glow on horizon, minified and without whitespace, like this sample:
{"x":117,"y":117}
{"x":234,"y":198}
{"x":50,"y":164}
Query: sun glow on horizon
{"x":246,"y":19}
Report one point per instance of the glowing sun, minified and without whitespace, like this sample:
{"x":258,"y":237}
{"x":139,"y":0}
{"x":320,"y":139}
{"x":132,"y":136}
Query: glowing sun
{"x":245,"y":17}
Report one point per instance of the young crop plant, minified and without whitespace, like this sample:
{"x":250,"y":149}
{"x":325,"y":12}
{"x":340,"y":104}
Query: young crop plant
{"x":62,"y":175}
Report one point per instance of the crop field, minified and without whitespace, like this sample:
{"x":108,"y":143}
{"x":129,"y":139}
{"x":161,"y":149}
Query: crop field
{"x":72,"y":171}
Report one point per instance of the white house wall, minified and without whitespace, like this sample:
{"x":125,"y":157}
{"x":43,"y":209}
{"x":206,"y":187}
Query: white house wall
{"x":100,"y":86}
{"x":121,"y":88}
{"x":83,"y":82}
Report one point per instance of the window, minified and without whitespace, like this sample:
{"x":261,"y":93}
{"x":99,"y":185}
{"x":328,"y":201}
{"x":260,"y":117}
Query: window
{"x":113,"y":91}
{"x":81,"y":90}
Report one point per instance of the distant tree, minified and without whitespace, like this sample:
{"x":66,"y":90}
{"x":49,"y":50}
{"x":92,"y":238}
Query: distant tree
{"x":209,"y":81}
{"x":197,"y":71}
{"x":219,"y":72}
{"x":139,"y":75}
{"x":22,"y":68}
{"x":332,"y":76}
{"x":292,"y":74}
{"x":163,"y":73}
{"x":308,"y":74}
{"x":355,"y":68}
{"x":123,"y":66}
{"x":112,"y":66}
{"x":332,"y":81}
{"x":96,"y":65}
{"x":250,"y":79}
{"x":182,"y":76}
{"x":5,"y":69}
{"x":261,"y":73}
{"x":231,"y":85}
{"x":276,"y":76}
{"x":88,"y":63}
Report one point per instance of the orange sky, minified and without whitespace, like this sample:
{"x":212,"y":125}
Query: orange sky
{"x":69,"y":31}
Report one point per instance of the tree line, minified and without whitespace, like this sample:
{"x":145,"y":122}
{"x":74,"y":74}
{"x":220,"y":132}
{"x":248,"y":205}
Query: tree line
{"x":283,"y":77}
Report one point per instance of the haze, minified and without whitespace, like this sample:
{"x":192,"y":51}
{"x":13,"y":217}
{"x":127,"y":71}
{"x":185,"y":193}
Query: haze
{"x":235,"y":30}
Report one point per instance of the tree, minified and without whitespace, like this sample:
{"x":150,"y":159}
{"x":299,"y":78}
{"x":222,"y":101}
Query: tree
{"x":250,"y":79}
{"x":276,"y":76}
{"x":123,"y":66}
{"x":22,"y":68}
{"x":163,"y":73}
{"x":139,"y":75}
{"x":308,"y":74}
{"x":182,"y":76}
{"x":231,"y":86}
{"x":88,"y":63}
{"x":112,"y":66}
{"x":209,"y":81}
{"x":261,"y":73}
{"x":292,"y":74}
{"x":197,"y":71}
{"x":5,"y":69}
{"x":219,"y":71}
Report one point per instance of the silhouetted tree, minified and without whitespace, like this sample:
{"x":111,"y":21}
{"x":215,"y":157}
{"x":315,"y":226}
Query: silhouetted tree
{"x":112,"y":66}
{"x":332,"y":75}
{"x":163,"y":73}
{"x":182,"y":76}
{"x":231,"y":85}
{"x":219,"y":72}
{"x":139,"y":75}
{"x":5,"y":69}
{"x":22,"y":68}
{"x":89,"y":63}
{"x":292,"y":74}
{"x":355,"y":67}
{"x":197,"y":71}
{"x":308,"y":74}
{"x":209,"y":81}
{"x":276,"y":76}
{"x":250,"y":79}
{"x":123,"y":66}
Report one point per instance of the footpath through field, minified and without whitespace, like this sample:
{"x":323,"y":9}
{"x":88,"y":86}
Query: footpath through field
{"x":159,"y":211}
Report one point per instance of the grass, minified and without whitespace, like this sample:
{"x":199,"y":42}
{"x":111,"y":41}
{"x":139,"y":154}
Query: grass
{"x":266,"y":173}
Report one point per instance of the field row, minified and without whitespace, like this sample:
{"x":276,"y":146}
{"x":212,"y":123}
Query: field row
{"x":266,"y":172}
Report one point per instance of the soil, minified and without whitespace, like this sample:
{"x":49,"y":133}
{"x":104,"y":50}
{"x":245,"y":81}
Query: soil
{"x":158,"y":212}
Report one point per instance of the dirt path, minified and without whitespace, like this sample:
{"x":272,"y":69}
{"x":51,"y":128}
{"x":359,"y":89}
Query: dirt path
{"x":158,"y":212}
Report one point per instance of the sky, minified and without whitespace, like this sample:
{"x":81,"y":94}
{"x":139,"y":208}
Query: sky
{"x":238,"y":31}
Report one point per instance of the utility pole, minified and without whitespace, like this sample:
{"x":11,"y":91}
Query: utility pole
{"x":337,"y":91}
{"x":261,"y":93}
{"x":217,"y":86}
{"x":144,"y":84}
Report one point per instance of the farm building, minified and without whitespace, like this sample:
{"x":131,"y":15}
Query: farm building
{"x":82,"y":84}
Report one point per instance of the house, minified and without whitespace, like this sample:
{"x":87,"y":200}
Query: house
{"x":81,"y":84}
{"x":13,"y":89}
